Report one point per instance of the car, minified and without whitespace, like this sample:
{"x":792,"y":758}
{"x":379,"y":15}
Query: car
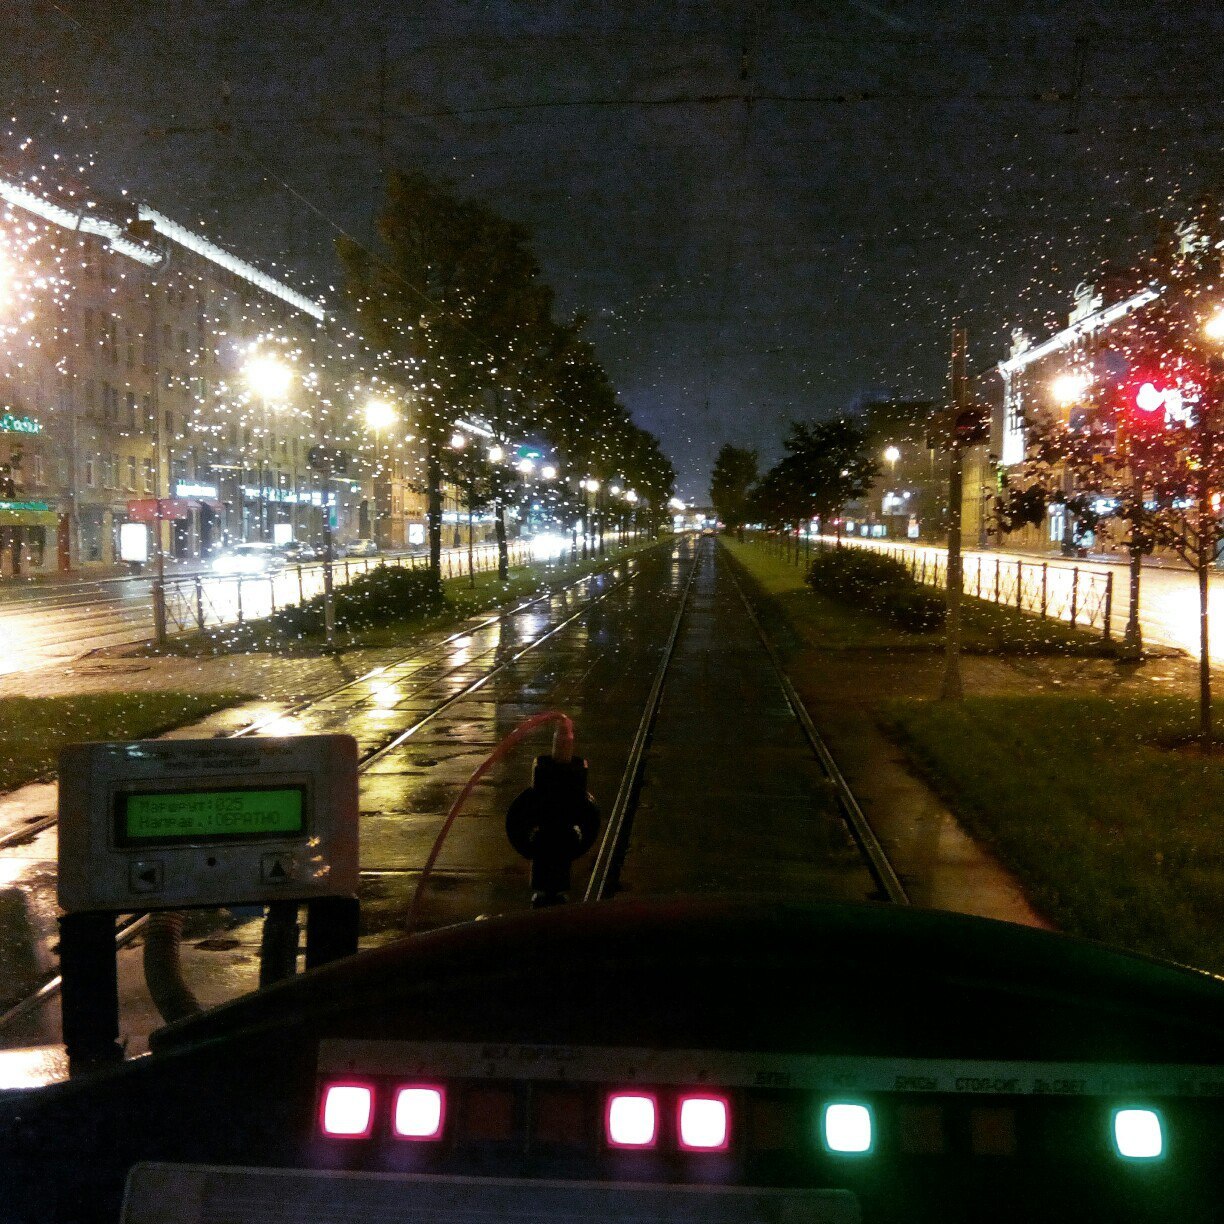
{"x":361,"y":548}
{"x":249,"y":559}
{"x":298,"y":551}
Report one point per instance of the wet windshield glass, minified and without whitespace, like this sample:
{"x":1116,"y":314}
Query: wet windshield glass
{"x":806,"y":413}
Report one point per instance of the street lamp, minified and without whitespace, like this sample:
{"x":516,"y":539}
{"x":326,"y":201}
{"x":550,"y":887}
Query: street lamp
{"x":1213,"y":329}
{"x":271,"y":379}
{"x":379,"y":415}
{"x":1069,"y":388}
{"x":267,"y":376}
{"x":496,"y":453}
{"x":548,"y":472}
{"x":891,"y":455}
{"x":458,"y":440}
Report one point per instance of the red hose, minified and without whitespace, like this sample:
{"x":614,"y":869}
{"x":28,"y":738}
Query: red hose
{"x":563,"y":750}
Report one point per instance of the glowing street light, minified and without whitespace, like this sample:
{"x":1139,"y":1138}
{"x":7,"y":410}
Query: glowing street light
{"x":1067,"y":389}
{"x":458,"y":441}
{"x":631,"y":497}
{"x":591,"y":485}
{"x":891,"y":455}
{"x":379,"y":415}
{"x":268,"y":377}
{"x":1213,"y":329}
{"x":496,"y":454}
{"x":548,"y":472}
{"x":525,"y":466}
{"x":614,"y":490}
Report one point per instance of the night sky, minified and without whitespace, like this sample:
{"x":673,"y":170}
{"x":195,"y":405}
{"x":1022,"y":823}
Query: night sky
{"x":768,"y":210}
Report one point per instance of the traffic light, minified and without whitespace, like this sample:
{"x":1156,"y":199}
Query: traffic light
{"x":1146,"y":404}
{"x":965,"y":425}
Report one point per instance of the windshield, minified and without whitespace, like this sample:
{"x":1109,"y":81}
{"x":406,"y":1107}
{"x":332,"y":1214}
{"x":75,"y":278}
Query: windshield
{"x":812,"y":406}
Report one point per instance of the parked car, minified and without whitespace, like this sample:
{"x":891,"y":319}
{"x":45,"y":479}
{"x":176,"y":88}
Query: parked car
{"x":296,"y":552}
{"x":255,"y":558}
{"x":362,"y":548}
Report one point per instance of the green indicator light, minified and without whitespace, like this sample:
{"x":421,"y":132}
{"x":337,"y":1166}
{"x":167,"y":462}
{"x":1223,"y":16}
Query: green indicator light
{"x":846,"y":1128}
{"x":1137,"y":1134}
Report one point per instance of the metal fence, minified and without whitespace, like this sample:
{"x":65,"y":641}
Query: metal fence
{"x":196,"y":602}
{"x":1080,"y":596}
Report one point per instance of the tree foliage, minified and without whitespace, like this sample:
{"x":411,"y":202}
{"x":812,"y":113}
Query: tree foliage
{"x":733,"y":475}
{"x":826,"y":464}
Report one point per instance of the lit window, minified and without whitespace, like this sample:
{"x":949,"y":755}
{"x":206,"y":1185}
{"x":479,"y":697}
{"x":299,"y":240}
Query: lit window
{"x":632,"y":1120}
{"x":348,"y":1111}
{"x":1137,"y":1134}
{"x":704,"y":1123}
{"x":847,"y":1128}
{"x":419,"y":1110}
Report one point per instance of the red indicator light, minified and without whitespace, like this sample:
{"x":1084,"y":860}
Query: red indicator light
{"x":704,"y":1123}
{"x":420,"y":1110}
{"x":632,"y":1120}
{"x":347,"y":1111}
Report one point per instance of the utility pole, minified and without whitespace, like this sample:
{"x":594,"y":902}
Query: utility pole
{"x":159,"y":552}
{"x":329,"y":609}
{"x":952,"y":689}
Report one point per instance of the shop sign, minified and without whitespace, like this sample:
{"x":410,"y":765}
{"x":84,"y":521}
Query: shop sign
{"x":24,"y":505}
{"x":186,"y":488}
{"x":19,"y":424}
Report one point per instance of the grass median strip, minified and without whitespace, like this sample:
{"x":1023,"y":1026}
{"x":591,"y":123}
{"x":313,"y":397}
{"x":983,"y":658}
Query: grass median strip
{"x":34,"y":729}
{"x":825,"y":624}
{"x":1115,"y":829}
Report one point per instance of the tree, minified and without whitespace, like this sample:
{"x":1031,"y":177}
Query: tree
{"x":734,"y":473}
{"x":455,"y":301}
{"x":826,"y":465}
{"x":1147,"y":434}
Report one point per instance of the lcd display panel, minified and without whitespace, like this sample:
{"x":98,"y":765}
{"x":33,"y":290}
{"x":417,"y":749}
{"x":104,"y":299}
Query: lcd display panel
{"x":168,"y":818}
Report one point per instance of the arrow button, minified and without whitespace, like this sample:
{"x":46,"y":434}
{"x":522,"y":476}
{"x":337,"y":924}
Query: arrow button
{"x":146,"y":876}
{"x":277,"y":868}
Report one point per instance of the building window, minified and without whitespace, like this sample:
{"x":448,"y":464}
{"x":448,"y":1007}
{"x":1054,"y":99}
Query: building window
{"x":146,"y":411}
{"x":169,"y":424}
{"x":38,"y":470}
{"x":91,"y":399}
{"x":148,"y":475}
{"x":129,"y":339}
{"x":113,"y":473}
{"x":90,"y":475}
{"x":131,"y":410}
{"x":131,"y":472}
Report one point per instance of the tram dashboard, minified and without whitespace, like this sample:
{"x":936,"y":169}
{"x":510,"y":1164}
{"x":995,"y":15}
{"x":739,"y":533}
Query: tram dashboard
{"x":719,"y":1060}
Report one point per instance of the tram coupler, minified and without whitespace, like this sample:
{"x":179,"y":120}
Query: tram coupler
{"x":552,"y":823}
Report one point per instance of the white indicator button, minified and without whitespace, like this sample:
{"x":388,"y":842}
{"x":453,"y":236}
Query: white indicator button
{"x":1137,"y":1134}
{"x":632,"y":1120}
{"x":418,"y":1113}
{"x":847,"y":1128}
{"x":348,"y":1111}
{"x":704,"y":1123}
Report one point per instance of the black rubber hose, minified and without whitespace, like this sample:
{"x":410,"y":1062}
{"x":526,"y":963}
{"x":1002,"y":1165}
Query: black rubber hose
{"x":163,"y":967}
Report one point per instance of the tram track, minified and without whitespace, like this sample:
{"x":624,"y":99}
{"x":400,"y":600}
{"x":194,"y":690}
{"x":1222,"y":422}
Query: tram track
{"x":433,"y":649}
{"x":130,"y":929}
{"x":614,"y":844}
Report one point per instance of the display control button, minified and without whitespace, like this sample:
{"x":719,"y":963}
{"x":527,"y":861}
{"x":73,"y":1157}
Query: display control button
{"x":277,"y":868}
{"x":146,"y":876}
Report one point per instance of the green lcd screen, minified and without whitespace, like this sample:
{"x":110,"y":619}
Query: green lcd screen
{"x":209,"y":815}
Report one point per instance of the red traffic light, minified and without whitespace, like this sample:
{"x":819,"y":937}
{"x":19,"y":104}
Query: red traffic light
{"x":1146,"y":401}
